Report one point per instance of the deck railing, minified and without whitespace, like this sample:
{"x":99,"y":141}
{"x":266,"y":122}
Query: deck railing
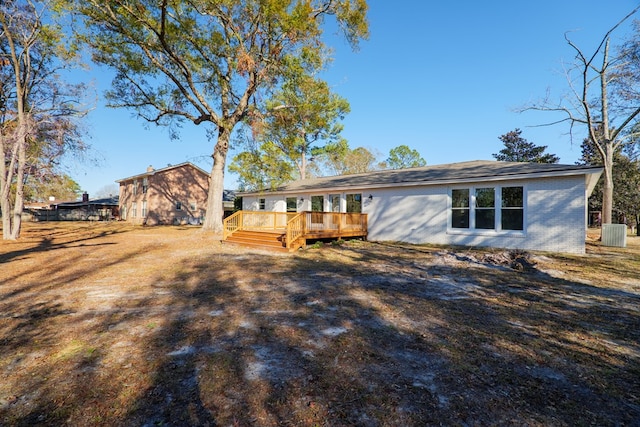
{"x":297,"y":225}
{"x":334,"y":221}
{"x":231,"y":223}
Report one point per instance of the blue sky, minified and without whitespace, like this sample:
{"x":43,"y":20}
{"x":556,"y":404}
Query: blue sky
{"x":443,"y":78}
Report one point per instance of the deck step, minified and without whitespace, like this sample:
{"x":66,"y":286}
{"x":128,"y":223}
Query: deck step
{"x":270,"y":241}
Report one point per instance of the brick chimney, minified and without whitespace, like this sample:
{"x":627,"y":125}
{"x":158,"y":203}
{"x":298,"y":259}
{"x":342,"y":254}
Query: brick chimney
{"x":85,"y":197}
{"x":150,"y":168}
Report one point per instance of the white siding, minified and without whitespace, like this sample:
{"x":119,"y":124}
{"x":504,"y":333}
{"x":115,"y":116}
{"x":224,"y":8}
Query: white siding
{"x":554,"y":218}
{"x":554,"y":215}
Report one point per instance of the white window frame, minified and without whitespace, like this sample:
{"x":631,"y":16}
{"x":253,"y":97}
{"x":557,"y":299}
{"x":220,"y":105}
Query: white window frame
{"x":497,"y":230}
{"x":144,"y":209}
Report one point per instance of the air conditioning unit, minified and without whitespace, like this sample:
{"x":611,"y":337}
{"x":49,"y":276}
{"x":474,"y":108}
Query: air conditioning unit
{"x":614,"y":235}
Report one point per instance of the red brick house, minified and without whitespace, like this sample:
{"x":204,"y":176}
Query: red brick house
{"x":173,"y":195}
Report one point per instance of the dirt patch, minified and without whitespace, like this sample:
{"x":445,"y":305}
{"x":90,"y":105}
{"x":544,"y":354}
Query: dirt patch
{"x":107,"y":324}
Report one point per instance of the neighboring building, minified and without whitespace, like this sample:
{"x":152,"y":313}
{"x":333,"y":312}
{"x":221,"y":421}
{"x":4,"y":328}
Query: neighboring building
{"x":172,"y":195}
{"x":510,"y":205}
{"x":101,"y":209}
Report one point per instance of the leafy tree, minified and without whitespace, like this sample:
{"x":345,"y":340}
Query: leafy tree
{"x":518,"y":149}
{"x":338,"y":159}
{"x":604,"y":98}
{"x":626,"y":181}
{"x":60,"y":186}
{"x":38,"y":110}
{"x":262,"y":167}
{"x":209,"y":61}
{"x":402,"y":157}
{"x":301,"y":117}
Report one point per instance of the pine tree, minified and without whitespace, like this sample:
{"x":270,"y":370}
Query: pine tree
{"x":518,"y":149}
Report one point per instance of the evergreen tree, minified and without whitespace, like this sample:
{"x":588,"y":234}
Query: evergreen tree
{"x":518,"y":149}
{"x":402,"y":157}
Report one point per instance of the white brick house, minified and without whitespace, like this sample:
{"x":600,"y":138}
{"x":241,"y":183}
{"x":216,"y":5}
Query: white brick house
{"x":480,"y":203}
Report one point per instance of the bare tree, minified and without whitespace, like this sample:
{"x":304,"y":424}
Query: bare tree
{"x":596,"y":102}
{"x":37,"y":109}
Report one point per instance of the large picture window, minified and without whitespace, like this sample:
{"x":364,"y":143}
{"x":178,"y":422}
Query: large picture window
{"x":487,"y":208}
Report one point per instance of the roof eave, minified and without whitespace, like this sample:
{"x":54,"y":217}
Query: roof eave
{"x":590,"y":172}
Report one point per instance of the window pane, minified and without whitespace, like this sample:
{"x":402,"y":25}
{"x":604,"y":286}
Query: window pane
{"x":460,"y":218}
{"x":485,"y":198}
{"x":512,"y":219}
{"x":334,"y":200}
{"x":512,"y":197}
{"x":317,"y":203}
{"x":460,"y":198}
{"x":354,"y":203}
{"x":485,"y":219}
{"x":292,"y":204}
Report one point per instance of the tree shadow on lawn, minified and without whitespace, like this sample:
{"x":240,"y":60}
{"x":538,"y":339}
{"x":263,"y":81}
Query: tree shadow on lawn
{"x":78,"y":236}
{"x":311,"y":341}
{"x":348,"y":336}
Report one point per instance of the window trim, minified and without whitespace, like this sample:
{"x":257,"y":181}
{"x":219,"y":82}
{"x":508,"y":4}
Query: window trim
{"x":497,"y":230}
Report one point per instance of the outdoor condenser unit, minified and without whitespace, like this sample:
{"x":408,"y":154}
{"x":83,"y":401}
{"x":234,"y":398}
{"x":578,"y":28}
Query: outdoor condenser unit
{"x":614,"y":235}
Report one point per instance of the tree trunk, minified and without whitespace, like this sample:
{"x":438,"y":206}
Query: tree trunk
{"x":5,"y":201}
{"x":215,"y":210}
{"x":303,"y":168}
{"x":607,"y":188}
{"x":18,"y":205}
{"x":6,"y":219}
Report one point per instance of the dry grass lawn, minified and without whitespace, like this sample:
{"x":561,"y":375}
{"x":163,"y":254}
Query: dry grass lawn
{"x":109,"y":324}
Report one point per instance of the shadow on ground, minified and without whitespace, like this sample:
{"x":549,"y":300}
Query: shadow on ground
{"x":363,"y":334}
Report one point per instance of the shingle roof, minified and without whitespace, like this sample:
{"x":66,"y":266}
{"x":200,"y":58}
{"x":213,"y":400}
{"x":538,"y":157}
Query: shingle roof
{"x":477,"y":170}
{"x":155,"y":171}
{"x":104,"y":201}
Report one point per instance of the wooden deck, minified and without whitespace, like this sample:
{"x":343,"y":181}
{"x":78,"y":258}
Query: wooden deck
{"x":288,"y":231}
